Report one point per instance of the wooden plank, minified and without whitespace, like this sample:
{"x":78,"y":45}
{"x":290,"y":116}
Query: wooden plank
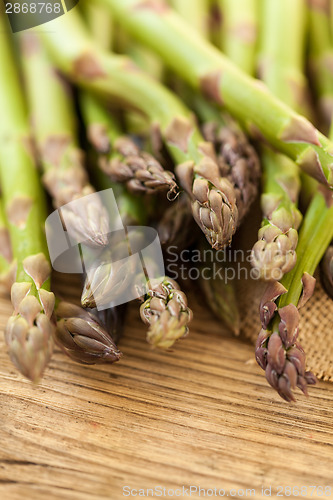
{"x":202,"y":415}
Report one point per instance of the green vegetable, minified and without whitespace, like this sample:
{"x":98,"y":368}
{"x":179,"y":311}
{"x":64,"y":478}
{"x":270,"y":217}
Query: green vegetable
{"x":28,"y":332}
{"x":205,"y":68}
{"x":119,"y":157}
{"x":281,"y":67}
{"x":64,"y":175}
{"x":239,"y":32}
{"x":213,"y":199}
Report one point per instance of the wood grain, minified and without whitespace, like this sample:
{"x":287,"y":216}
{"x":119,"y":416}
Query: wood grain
{"x":202,"y":415}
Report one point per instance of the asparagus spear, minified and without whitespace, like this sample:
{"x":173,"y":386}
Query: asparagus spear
{"x":119,"y":157}
{"x":205,"y":68}
{"x":82,"y":337}
{"x":138,"y":53}
{"x":274,"y":253}
{"x":7,"y":265}
{"x":238,"y":162}
{"x":213,"y":198}
{"x":281,"y":67}
{"x":164,"y":306}
{"x":64,"y":175}
{"x":166,"y":312}
{"x":28,"y":332}
{"x":239,"y":32}
{"x":79,"y":333}
{"x":277,"y":349}
{"x":196,"y":15}
{"x":321,"y":60}
{"x":100,"y":23}
{"x":321,"y":56}
{"x":142,"y":56}
{"x":236,"y":158}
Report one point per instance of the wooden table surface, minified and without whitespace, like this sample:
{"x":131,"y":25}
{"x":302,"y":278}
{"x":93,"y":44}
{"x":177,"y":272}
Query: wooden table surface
{"x":200,"y":416}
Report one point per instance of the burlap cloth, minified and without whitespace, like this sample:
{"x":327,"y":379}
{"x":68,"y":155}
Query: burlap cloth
{"x":316,"y":326}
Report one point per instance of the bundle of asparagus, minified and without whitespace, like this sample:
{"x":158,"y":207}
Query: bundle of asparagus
{"x":212,"y":195}
{"x":191,"y":145}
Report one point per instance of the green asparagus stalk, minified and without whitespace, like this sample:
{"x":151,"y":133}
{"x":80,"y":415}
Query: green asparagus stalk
{"x":143,"y":57}
{"x":205,"y":68}
{"x":321,"y":56}
{"x":102,"y":35}
{"x":215,"y":23}
{"x":277,"y":349}
{"x":119,"y":157}
{"x":274,"y":253}
{"x":100,"y":23}
{"x":321,"y":61}
{"x":28,"y":332}
{"x":64,"y":175}
{"x":281,"y":67}
{"x":213,"y":198}
{"x":7,"y":266}
{"x":195,"y":14}
{"x":79,"y":333}
{"x":237,"y":160}
{"x":239,"y":32}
